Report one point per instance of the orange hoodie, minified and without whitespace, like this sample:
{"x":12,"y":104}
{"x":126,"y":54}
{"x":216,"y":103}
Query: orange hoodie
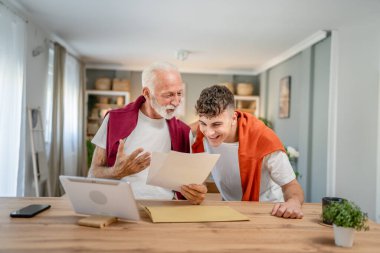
{"x":255,"y":142}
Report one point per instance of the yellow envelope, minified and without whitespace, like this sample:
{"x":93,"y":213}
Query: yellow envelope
{"x":193,"y":214}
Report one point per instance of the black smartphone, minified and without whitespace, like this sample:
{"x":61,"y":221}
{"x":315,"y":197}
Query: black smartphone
{"x":29,"y":211}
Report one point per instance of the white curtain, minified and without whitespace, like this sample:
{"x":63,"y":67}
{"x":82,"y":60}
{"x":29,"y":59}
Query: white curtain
{"x":71,"y":113}
{"x":12,"y":68}
{"x":56,"y":157}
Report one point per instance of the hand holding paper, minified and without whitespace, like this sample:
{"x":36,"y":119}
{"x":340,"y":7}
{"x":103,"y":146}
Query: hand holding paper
{"x":174,"y":169}
{"x":195,"y":193}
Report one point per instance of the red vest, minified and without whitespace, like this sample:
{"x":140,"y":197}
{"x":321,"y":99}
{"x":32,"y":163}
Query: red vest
{"x":255,"y":142}
{"x":123,"y":121}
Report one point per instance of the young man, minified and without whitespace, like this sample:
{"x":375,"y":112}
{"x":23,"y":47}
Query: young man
{"x":253,"y":165}
{"x":146,"y":124}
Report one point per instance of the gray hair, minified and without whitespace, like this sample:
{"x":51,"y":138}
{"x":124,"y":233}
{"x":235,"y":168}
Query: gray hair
{"x":148,"y":77}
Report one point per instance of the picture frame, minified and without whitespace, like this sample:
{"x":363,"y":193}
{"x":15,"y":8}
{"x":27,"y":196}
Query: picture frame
{"x":284,"y":97}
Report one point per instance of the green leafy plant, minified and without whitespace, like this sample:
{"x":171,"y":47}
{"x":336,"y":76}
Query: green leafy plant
{"x":90,"y":152}
{"x":346,"y":214}
{"x":298,"y":175}
{"x":266,"y":122}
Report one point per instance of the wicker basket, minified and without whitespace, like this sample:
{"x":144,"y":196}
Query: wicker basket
{"x":120,"y":84}
{"x":244,"y":89}
{"x":103,"y":84}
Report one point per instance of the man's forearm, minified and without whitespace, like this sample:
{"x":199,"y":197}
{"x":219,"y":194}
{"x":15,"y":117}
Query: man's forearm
{"x":98,"y":165}
{"x":103,"y":172}
{"x":294,"y":191}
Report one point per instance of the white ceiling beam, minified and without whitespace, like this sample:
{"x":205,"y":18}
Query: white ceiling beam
{"x":313,"y":39}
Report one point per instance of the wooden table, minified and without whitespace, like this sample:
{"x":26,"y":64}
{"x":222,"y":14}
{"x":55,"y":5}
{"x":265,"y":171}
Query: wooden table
{"x":56,"y":230}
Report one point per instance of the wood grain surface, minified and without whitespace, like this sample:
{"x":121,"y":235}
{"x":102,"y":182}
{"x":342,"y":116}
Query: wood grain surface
{"x":56,"y":230}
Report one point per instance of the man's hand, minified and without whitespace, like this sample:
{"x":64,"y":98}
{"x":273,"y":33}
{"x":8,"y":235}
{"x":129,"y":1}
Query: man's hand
{"x":292,"y":207}
{"x":126,"y":165}
{"x":289,"y":209}
{"x":195,"y":193}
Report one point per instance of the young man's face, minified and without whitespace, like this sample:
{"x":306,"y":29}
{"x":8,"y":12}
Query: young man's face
{"x":221,"y":128}
{"x":167,"y":94}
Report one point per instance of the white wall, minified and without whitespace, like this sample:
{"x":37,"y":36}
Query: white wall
{"x":319,"y":119}
{"x":357,"y":115}
{"x":293,"y":130}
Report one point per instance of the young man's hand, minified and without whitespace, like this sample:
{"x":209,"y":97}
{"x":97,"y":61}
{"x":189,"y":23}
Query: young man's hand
{"x":292,"y":207}
{"x":195,"y":193}
{"x":289,"y":209}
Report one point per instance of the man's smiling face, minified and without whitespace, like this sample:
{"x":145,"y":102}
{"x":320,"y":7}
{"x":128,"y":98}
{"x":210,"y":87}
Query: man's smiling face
{"x":220,"y":128}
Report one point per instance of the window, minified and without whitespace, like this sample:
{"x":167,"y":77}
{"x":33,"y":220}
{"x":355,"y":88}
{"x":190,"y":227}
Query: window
{"x":12,"y":65}
{"x":49,"y":102}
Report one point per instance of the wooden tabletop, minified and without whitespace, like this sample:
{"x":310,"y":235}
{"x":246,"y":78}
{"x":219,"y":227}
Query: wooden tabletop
{"x":56,"y":230}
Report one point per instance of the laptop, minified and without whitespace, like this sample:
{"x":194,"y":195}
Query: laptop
{"x":104,"y":197}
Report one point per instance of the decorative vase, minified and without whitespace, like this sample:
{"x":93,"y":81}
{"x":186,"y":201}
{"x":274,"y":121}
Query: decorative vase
{"x":344,"y":237}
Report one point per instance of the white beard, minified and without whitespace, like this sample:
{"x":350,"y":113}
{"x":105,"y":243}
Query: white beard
{"x":161,"y":110}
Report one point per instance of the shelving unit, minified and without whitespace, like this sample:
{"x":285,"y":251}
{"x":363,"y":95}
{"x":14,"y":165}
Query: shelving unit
{"x":96,"y":109}
{"x":249,"y":104}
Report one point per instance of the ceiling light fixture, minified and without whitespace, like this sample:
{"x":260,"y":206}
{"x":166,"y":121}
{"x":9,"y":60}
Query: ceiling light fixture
{"x":182,"y":54}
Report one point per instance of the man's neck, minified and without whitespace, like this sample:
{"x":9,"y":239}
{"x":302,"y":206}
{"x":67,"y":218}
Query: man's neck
{"x":233,"y":136}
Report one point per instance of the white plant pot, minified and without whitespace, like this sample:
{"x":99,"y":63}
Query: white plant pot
{"x":344,"y":237}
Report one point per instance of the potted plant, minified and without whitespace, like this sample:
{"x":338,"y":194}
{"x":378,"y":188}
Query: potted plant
{"x":346,"y":217}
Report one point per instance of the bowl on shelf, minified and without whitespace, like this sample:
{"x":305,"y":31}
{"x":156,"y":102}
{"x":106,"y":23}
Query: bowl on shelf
{"x":120,"y":101}
{"x":244,"y":89}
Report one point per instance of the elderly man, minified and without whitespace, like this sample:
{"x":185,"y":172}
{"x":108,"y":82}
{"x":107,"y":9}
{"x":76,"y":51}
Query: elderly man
{"x":253,"y":165}
{"x":128,"y":135}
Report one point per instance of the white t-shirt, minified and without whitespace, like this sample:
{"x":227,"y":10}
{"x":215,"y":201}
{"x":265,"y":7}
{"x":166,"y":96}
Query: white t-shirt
{"x":276,"y":172}
{"x":153,"y":136}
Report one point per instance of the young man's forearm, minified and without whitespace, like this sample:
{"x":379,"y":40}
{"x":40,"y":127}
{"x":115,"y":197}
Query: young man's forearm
{"x":294,"y":191}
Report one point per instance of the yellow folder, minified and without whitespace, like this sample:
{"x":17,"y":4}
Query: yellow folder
{"x":193,"y":214}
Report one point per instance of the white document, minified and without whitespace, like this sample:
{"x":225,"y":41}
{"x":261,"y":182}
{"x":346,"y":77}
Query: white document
{"x":174,"y":169}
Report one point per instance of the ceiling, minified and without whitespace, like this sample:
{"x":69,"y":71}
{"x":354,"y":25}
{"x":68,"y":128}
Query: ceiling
{"x":222,"y":36}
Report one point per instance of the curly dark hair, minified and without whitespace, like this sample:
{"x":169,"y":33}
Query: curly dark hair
{"x":214,"y":100}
